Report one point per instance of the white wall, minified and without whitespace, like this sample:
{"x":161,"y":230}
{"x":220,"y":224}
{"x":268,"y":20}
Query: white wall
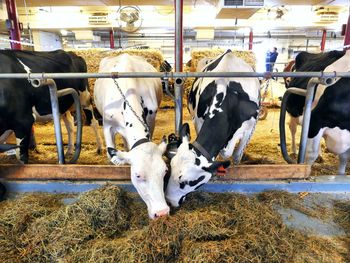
{"x":46,"y":41}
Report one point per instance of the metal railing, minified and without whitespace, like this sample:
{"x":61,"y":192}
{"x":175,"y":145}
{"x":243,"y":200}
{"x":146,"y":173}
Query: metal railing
{"x":317,"y":77}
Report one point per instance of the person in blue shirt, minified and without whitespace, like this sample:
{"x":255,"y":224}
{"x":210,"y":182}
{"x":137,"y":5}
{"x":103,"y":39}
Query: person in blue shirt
{"x":271,"y":57}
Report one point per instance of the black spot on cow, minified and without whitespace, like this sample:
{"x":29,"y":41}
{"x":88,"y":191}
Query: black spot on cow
{"x":197,"y":161}
{"x":144,"y":113}
{"x":127,"y":123}
{"x":130,"y":125}
{"x":195,"y":182}
{"x":206,"y":99}
{"x":124,"y":105}
{"x":183,"y":184}
{"x":219,"y":98}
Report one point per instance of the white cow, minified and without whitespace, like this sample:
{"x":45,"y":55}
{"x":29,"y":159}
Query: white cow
{"x":130,"y":119}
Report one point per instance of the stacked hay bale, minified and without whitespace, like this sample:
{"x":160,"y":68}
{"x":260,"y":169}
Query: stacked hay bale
{"x":93,"y":58}
{"x":198,"y":54}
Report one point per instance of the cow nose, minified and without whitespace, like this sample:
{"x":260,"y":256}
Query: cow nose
{"x":161,"y":213}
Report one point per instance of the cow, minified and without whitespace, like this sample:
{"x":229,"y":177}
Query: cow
{"x":28,"y":103}
{"x":224,"y":112}
{"x":330,"y":107}
{"x":128,"y":107}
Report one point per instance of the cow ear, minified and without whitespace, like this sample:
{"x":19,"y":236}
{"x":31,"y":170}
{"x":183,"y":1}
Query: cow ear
{"x":124,"y":156}
{"x":215,"y":165}
{"x":162,"y":145}
{"x":185,"y":132}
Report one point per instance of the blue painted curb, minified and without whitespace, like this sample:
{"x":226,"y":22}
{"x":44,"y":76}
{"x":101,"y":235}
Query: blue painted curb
{"x":324,"y":184}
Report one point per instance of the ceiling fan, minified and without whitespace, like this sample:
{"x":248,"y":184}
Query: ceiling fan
{"x":129,"y":18}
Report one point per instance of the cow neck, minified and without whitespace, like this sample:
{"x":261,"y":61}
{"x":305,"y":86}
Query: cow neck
{"x":139,"y":142}
{"x":202,"y":150}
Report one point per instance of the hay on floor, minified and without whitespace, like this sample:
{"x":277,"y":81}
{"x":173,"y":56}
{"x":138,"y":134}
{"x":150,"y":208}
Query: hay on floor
{"x":110,"y":225}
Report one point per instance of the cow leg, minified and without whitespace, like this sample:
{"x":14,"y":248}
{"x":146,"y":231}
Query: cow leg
{"x":69,"y":123}
{"x":343,"y":161}
{"x":313,"y":147}
{"x":95,"y":126}
{"x":109,"y":134}
{"x":32,"y":141}
{"x":227,"y":152}
{"x":23,"y":131}
{"x":293,"y":123}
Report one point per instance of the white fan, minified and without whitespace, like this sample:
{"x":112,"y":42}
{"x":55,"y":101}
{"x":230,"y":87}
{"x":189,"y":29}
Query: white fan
{"x":129,"y":18}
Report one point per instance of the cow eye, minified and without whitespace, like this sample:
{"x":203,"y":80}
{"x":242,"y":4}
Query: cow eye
{"x":140,"y":177}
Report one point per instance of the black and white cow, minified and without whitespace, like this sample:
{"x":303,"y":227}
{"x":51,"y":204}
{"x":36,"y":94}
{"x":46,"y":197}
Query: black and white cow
{"x":134,"y":119}
{"x":21,"y":104}
{"x":330,"y":115}
{"x":224,"y":112}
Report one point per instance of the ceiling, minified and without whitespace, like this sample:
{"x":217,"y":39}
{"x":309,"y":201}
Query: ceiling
{"x":36,"y":3}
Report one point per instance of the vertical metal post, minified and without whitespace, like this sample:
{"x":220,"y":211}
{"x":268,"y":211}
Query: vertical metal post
{"x":15,"y":33}
{"x":56,"y":119}
{"x":178,"y":64}
{"x":306,"y":120}
{"x":347,"y":34}
{"x":323,"y":41}
{"x":251,"y":39}
{"x":111,"y":38}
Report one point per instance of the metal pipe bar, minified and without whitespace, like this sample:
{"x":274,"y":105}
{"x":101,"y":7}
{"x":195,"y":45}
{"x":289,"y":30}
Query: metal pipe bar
{"x":310,"y":90}
{"x":32,"y":76}
{"x":282,"y":121}
{"x":178,"y":86}
{"x":78,"y":140}
{"x":178,"y":104}
{"x":56,"y":118}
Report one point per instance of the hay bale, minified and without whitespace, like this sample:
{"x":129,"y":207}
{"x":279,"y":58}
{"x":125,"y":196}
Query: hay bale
{"x":198,"y":54}
{"x":103,"y":212}
{"x":15,"y":217}
{"x":93,"y":58}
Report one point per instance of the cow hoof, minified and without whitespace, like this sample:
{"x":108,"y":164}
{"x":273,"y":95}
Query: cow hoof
{"x":115,"y":160}
{"x":294,"y":156}
{"x":99,"y":151}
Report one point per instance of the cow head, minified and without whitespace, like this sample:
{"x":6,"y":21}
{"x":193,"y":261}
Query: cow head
{"x":189,"y":171}
{"x":147,"y":174}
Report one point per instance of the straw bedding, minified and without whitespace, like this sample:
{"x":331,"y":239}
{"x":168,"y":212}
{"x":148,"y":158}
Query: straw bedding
{"x":110,"y":225}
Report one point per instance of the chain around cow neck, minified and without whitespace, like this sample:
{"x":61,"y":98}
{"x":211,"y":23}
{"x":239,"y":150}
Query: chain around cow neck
{"x":131,"y":108}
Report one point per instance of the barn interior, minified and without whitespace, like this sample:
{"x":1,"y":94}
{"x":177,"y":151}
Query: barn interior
{"x":90,"y":221}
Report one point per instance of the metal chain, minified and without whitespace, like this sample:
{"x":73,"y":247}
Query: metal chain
{"x":130,"y":107}
{"x":240,"y":154}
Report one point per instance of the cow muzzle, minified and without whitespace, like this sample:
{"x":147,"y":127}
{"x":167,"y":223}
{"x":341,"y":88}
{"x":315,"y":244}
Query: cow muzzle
{"x":162,"y":213}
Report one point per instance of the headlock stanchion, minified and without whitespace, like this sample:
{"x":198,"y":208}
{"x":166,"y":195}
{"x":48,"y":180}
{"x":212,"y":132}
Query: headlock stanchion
{"x":179,"y":79}
{"x":54,"y":95}
{"x":309,"y":95}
